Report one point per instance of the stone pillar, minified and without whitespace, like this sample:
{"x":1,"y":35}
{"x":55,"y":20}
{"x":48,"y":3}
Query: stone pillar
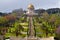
{"x":31,"y":27}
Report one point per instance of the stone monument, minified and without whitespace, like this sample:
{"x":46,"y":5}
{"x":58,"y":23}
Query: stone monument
{"x":30,"y":13}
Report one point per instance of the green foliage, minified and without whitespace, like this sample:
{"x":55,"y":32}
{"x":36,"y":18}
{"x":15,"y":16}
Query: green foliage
{"x":45,"y":25}
{"x":3,"y":20}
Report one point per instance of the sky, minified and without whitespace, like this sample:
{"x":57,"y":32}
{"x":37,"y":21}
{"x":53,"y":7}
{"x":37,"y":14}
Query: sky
{"x":9,"y":5}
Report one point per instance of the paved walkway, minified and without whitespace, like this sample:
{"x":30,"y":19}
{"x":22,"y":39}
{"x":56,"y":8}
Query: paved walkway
{"x":18,"y":38}
{"x":50,"y":38}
